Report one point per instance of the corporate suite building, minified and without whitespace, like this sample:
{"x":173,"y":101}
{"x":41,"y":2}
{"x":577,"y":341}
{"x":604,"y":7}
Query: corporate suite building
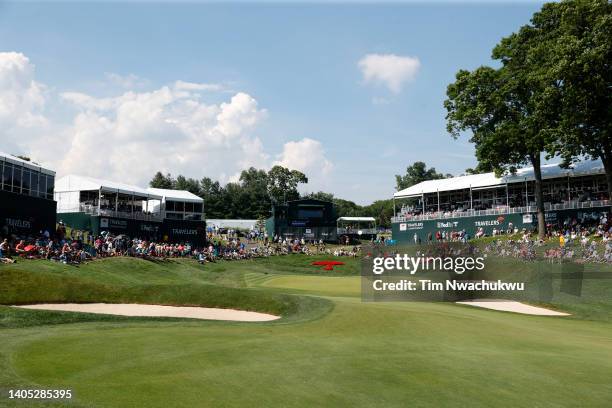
{"x":26,"y":197}
{"x":485,"y":202}
{"x":96,"y":205}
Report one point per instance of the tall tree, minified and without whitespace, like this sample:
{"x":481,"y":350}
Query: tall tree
{"x":212,"y":194}
{"x":160,"y":180}
{"x":188,"y":184}
{"x":283,"y":183}
{"x":415,"y":174}
{"x":576,"y":53}
{"x":254,"y":184}
{"x":507,"y":110}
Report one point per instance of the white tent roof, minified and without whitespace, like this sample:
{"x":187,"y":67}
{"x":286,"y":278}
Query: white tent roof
{"x":176,"y":195}
{"x":16,"y":160}
{"x":82,"y":183}
{"x":364,"y":219}
{"x":476,"y":181}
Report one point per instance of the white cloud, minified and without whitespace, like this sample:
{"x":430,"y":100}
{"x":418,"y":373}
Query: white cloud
{"x":129,"y":81}
{"x":308,"y":156}
{"x":391,"y":70}
{"x":193,"y":86}
{"x":21,"y":97}
{"x":130,"y":136}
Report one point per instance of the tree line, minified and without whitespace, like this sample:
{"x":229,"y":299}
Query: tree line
{"x":252,"y":196}
{"x":550,"y":95}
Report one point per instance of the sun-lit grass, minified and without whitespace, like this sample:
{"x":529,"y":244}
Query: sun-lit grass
{"x":331,"y":351}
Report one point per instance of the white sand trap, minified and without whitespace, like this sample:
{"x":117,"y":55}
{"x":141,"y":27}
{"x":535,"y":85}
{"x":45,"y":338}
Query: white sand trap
{"x":156,"y":311}
{"x":512,"y":306}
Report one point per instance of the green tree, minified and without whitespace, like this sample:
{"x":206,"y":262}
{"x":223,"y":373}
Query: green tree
{"x":320,"y":195}
{"x":576,"y":50}
{"x":254,"y":185}
{"x":212,"y":193}
{"x":160,"y":180}
{"x":187,"y":184}
{"x":415,"y":174}
{"x":283,"y":183}
{"x":510,"y":111}
{"x":382,"y":210}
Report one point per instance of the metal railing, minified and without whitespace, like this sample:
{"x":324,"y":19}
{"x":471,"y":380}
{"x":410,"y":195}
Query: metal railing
{"x":570,"y":205}
{"x":366,"y":231}
{"x":136,"y":215}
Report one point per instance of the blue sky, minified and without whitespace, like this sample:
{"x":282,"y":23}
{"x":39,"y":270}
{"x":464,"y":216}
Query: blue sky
{"x":298,"y":64}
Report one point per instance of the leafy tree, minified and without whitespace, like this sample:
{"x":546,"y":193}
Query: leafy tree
{"x":254,"y":185}
{"x":188,"y":184}
{"x":415,"y":174}
{"x":161,"y":181}
{"x":576,"y":53}
{"x":382,"y":210}
{"x":320,"y":195}
{"x":511,"y":111}
{"x":282,"y":184}
{"x":212,"y":193}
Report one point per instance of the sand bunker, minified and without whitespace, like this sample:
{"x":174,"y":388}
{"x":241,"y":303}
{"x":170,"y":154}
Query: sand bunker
{"x":157,"y":311}
{"x":512,"y":306}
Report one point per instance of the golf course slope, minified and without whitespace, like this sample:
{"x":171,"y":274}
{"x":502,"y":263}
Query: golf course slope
{"x":328,"y":348}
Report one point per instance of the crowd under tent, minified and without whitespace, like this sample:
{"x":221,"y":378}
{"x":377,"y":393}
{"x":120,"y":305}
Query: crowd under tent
{"x":80,"y":194}
{"x":584,"y":181}
{"x":356,"y":225}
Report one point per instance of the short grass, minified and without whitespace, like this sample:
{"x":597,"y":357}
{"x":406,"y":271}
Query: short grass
{"x":328,"y":350}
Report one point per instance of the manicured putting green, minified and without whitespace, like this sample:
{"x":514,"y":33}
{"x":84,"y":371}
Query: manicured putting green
{"x":322,"y":285}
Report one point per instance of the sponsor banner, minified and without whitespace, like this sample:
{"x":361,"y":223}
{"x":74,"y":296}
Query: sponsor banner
{"x":113,"y":223}
{"x":447,"y":224}
{"x":18,"y":223}
{"x":184,"y":231}
{"x":411,"y":226}
{"x":527,"y":218}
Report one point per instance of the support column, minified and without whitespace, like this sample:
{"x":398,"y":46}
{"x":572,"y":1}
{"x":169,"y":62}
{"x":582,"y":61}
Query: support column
{"x":507,"y":197}
{"x":471,"y":199}
{"x":438,"y":200}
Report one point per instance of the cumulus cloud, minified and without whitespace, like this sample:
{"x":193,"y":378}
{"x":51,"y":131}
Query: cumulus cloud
{"x":133,"y":134}
{"x":390,"y":70}
{"x":308,"y":156}
{"x":21,"y":97}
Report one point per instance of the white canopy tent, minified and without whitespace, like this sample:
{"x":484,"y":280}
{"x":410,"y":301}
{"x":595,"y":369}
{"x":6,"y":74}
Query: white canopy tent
{"x":176,"y":195}
{"x":357,"y":228}
{"x":68,"y":191}
{"x":489,"y":180}
{"x":72,"y":183}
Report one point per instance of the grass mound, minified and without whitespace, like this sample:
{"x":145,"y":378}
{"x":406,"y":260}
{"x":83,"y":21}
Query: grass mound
{"x":129,"y":280}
